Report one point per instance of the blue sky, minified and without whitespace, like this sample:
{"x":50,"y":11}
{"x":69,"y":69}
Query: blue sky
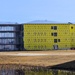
{"x":23,"y":11}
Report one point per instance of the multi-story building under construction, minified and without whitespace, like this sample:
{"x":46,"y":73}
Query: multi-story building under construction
{"x":49,"y":36}
{"x":37,"y":36}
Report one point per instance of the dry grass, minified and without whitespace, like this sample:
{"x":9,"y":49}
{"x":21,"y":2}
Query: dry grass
{"x":55,"y":57}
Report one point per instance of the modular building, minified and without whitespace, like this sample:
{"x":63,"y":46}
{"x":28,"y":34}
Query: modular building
{"x":11,"y":37}
{"x":37,"y":36}
{"x":49,"y":36}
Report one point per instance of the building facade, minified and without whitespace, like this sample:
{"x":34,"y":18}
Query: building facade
{"x":49,"y":36}
{"x":11,"y":37}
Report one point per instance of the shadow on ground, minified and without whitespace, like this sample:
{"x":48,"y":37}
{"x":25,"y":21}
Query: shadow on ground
{"x":64,"y":66}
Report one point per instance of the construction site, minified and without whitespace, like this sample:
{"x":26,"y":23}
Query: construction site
{"x":37,"y":37}
{"x":49,"y":46}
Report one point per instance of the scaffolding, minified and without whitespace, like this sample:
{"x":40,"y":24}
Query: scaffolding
{"x":11,"y":37}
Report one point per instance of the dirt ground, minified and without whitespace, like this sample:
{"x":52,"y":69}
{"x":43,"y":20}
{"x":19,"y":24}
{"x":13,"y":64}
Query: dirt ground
{"x":37,"y":58}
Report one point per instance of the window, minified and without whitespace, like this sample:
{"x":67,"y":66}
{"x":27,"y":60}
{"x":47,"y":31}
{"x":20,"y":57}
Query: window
{"x":71,"y":27}
{"x":54,"y":27}
{"x":51,"y":27}
{"x":51,"y":34}
{"x":58,"y":40}
{"x":55,"y":40}
{"x":54,"y":34}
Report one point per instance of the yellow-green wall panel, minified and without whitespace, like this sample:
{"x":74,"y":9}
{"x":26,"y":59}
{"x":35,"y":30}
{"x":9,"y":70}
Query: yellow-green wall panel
{"x":38,"y":36}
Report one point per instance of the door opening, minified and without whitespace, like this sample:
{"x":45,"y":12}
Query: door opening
{"x":55,"y":47}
